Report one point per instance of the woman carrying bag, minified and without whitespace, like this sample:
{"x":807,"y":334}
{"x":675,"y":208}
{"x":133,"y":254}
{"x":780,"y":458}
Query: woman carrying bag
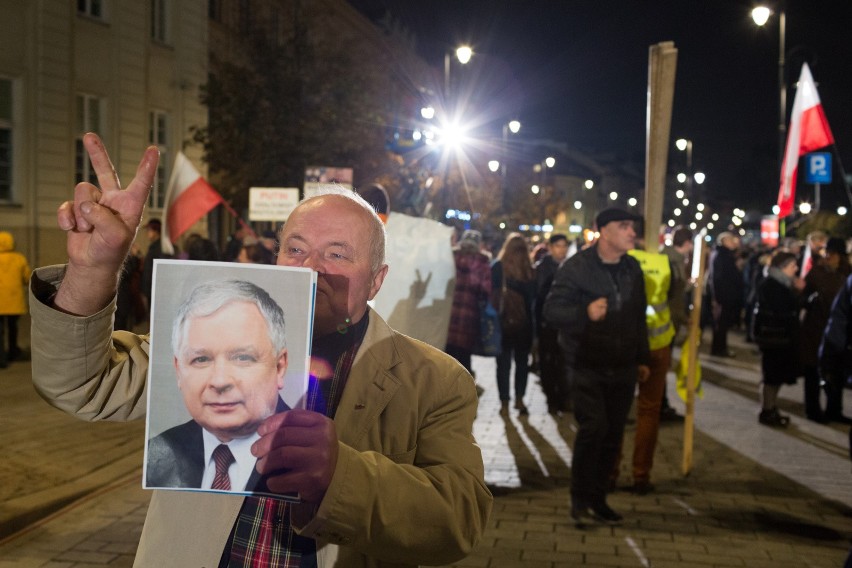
{"x":513,"y":290}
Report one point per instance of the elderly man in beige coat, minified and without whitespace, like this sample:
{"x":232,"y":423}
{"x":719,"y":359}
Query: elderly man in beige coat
{"x":388,"y":471}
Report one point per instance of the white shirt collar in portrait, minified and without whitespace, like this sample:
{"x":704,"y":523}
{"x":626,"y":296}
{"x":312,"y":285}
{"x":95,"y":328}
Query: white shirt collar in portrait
{"x":240,"y":470}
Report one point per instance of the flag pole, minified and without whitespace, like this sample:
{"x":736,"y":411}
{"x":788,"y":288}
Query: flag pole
{"x":842,"y":172}
{"x":239,"y":219}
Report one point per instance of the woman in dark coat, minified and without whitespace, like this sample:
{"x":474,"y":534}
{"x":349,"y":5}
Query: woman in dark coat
{"x":513,"y":290}
{"x":776,"y":331}
{"x":822,"y":284}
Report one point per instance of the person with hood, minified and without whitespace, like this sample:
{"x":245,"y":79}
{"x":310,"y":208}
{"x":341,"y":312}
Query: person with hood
{"x":776,"y":332}
{"x":14,"y":276}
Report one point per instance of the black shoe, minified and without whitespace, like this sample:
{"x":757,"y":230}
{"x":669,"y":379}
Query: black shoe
{"x":606,"y":515}
{"x":669,"y":414}
{"x":839,"y":418}
{"x":642,"y":487}
{"x":773,"y":418}
{"x":583,"y":515}
{"x":727,"y":354}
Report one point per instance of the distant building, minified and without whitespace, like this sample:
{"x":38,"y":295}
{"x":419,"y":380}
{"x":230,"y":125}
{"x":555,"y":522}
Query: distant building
{"x":127,"y":70}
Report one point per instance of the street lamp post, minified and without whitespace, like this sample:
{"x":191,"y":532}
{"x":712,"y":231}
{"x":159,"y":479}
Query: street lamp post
{"x":463,"y":54}
{"x":760,"y":15}
{"x":684,"y":144}
{"x":514,"y":127}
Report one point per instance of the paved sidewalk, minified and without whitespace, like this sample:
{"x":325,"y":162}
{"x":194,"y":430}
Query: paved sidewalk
{"x":756,"y":496}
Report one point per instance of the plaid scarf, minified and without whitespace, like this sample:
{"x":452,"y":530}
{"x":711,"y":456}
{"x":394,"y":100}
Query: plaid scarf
{"x":262,"y":536}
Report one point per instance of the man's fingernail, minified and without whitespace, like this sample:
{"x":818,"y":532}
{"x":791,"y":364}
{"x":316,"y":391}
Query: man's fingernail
{"x":86,"y":207}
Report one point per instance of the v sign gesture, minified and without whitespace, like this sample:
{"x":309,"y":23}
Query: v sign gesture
{"x":100,"y":224}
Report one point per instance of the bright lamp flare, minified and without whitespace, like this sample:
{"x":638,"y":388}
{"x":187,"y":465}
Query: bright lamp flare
{"x":464,"y":53}
{"x":760,"y":15}
{"x":493,"y":165}
{"x":514,"y":126}
{"x":681,"y":144}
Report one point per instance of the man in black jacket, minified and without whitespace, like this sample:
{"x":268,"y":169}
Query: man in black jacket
{"x":726,"y":291}
{"x":598,"y":303}
{"x":554,"y":374}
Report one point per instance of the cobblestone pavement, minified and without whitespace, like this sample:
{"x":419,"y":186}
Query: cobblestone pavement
{"x":755,"y":496}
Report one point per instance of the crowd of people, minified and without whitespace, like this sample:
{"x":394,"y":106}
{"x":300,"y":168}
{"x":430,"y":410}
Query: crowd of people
{"x":598,"y":319}
{"x":598,"y":330}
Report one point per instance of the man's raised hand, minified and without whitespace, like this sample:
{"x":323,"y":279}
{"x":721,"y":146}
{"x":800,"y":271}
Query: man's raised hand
{"x":100,"y":224}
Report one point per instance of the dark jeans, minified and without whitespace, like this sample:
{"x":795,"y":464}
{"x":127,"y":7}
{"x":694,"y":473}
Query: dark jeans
{"x":602,"y":400}
{"x":554,"y":374}
{"x":813,"y":407}
{"x":10,"y":324}
{"x":724,"y":318}
{"x":504,"y":367}
{"x":461,"y":355}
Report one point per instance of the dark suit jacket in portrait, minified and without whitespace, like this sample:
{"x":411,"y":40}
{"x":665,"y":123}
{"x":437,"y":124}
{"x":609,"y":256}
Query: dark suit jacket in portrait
{"x":176,"y":458}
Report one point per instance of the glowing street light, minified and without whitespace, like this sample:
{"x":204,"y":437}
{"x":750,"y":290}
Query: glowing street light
{"x":493,"y":165}
{"x":514,"y":127}
{"x":589,"y":184}
{"x":760,"y":15}
{"x":841,"y":210}
{"x":463,"y":54}
{"x":535,"y":189}
{"x":805,"y":208}
{"x":699,"y":177}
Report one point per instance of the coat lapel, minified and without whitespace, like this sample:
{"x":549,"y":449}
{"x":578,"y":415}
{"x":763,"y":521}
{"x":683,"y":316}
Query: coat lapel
{"x":370,"y":385}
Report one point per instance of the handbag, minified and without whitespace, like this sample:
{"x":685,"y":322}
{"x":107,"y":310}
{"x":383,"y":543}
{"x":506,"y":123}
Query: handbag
{"x":489,"y":342}
{"x":514,"y":320}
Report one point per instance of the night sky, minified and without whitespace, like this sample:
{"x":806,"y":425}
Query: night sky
{"x":582,"y":66}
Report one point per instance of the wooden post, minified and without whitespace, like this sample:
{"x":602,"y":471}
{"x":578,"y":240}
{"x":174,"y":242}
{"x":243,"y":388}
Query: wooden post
{"x":662,"y":61}
{"x":692,"y":353}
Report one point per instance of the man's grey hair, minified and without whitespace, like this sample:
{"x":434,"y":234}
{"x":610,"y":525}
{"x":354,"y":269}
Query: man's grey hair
{"x":378,"y":235}
{"x":209,"y":297}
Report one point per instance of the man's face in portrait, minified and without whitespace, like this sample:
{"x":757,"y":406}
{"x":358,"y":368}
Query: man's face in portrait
{"x":228,"y":371}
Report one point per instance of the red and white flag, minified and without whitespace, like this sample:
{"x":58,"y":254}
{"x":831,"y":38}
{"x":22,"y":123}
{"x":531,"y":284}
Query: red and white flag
{"x":808,"y":131}
{"x":188,"y":198}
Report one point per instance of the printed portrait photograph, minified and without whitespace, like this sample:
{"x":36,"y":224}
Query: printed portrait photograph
{"x":230,"y":347}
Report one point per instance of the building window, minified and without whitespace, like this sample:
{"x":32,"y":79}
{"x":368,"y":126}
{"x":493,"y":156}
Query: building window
{"x":91,"y":8}
{"x":158,"y":135}
{"x":5,"y":140}
{"x":159,"y":21}
{"x":89,"y":111}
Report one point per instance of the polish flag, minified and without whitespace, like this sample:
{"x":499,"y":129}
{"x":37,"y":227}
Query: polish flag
{"x":188,"y":198}
{"x":808,"y":131}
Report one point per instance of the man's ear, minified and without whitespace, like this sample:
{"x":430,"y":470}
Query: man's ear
{"x":281,"y":368}
{"x":378,"y":278}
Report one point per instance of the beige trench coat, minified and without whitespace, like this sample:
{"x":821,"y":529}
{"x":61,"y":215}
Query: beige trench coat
{"x":409,"y":485}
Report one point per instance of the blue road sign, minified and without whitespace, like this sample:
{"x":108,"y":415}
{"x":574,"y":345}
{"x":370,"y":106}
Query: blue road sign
{"x":818,"y":167}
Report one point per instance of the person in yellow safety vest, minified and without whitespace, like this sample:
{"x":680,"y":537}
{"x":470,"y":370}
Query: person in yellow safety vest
{"x":658,"y":277}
